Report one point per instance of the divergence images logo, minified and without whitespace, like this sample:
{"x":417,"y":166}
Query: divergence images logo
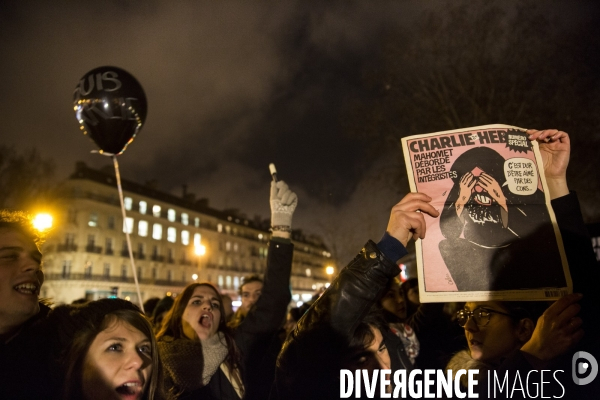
{"x":583,"y":362}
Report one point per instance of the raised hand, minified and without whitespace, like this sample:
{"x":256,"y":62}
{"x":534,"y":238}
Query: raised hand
{"x":555,"y":149}
{"x":407,"y":217}
{"x":557,"y":329}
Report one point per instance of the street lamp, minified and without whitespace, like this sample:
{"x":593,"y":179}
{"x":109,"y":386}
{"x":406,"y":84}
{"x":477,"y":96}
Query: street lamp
{"x":42,"y":222}
{"x":195,"y":277}
{"x":200,"y":250}
{"x":329,"y":270}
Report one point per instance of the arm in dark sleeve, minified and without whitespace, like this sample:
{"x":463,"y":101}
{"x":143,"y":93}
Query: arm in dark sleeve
{"x":268,"y":313}
{"x":584,"y":268}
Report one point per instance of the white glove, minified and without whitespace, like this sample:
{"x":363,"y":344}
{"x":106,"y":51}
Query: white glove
{"x":283,"y":203}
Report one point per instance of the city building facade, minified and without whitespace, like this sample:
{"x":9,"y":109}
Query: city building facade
{"x":175,"y":241}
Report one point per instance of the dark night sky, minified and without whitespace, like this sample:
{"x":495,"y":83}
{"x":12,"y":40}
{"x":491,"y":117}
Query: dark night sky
{"x":231,"y":87}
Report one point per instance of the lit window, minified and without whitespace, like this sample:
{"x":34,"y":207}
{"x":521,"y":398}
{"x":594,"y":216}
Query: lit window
{"x":171,"y":234}
{"x":308,"y":272}
{"x":219,"y":228}
{"x":143,"y":228}
{"x":156,"y":211}
{"x":157,"y":231}
{"x":143,"y":207}
{"x":260,"y":236}
{"x":197,"y":238}
{"x":236,"y":282}
{"x":185,"y":237}
{"x":171,"y":215}
{"x":228,"y":281}
{"x":220,"y":281}
{"x":197,"y":222}
{"x":235,"y":247}
{"x":228,"y":246}
{"x":128,"y":203}
{"x":93,"y":221}
{"x":185,"y":219}
{"x":128,"y":225}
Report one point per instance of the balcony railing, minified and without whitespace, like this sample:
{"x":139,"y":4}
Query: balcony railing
{"x":156,"y":257}
{"x":104,"y":278}
{"x":109,"y":252}
{"x":66,"y":247}
{"x":90,"y":248}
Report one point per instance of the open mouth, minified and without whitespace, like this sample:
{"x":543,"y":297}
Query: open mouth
{"x":475,"y":343}
{"x":483,"y":199}
{"x":27,"y":288}
{"x":206,"y":320}
{"x":130,"y":390}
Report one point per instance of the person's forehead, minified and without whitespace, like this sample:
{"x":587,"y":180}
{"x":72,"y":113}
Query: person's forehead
{"x":205,"y":291}
{"x":121,"y":329}
{"x":252,"y":286}
{"x":486,"y":304}
{"x":15,"y":238}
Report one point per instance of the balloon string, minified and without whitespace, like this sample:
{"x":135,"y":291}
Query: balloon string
{"x":126,"y":228}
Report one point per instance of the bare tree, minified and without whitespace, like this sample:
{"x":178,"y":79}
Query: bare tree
{"x":488,"y":64}
{"x":25,"y":179}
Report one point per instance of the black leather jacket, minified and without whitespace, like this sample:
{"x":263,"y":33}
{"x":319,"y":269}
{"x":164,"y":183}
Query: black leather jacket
{"x":311,"y":358}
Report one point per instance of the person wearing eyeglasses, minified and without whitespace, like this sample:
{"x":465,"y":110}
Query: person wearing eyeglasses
{"x":509,"y":336}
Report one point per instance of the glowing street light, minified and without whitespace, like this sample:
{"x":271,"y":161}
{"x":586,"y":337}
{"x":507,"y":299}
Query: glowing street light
{"x":200,"y":250}
{"x":42,"y":222}
{"x":329,"y":270}
{"x":195,"y":277}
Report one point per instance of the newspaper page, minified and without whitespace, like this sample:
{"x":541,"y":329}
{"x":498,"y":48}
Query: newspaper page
{"x":496,"y":237}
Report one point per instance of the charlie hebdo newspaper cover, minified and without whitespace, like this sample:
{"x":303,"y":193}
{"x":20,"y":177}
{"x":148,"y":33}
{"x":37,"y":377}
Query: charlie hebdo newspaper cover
{"x":496,"y":237}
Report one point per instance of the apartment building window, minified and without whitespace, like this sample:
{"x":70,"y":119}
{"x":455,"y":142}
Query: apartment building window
{"x":66,"y":269}
{"x":141,"y":251}
{"x":106,"y":270}
{"x":227,"y":246}
{"x":236,"y":282}
{"x":70,"y":239}
{"x":154,"y":274}
{"x":93,"y":221}
{"x":170,"y":276}
{"x":156,"y":210}
{"x":124,"y":271}
{"x":128,"y":225}
{"x":72,"y":216}
{"x":143,"y":207}
{"x":228,"y":282}
{"x":143,"y":228}
{"x":157,"y":231}
{"x":171,"y":234}
{"x":109,"y":246}
{"x":183,"y":276}
{"x":227,"y":229}
{"x":110,"y":222}
{"x":197,"y":222}
{"x":171,"y":215}
{"x":235,"y":247}
{"x":220,"y":228}
{"x":185,"y":238}
{"x":88,"y":270}
{"x":171,"y":258}
{"x":220,"y":281}
{"x":139,"y":273}
{"x":197,"y":239}
{"x":185,"y":219}
{"x":128,"y":202}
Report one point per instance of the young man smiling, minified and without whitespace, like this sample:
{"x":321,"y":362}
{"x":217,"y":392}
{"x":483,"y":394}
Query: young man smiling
{"x":23,"y":350}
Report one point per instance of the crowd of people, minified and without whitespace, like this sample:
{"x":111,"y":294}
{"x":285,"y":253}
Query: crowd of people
{"x":195,"y":347}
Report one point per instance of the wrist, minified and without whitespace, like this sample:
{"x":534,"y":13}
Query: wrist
{"x":557,"y":187}
{"x":281,"y":234}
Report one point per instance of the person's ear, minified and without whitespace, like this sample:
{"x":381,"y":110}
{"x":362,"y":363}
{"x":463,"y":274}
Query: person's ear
{"x":525,"y":329}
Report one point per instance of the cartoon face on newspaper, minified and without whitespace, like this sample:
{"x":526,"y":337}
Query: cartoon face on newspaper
{"x":496,"y":236}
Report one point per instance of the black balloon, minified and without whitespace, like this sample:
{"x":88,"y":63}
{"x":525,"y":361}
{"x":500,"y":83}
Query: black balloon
{"x":110,"y":106}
